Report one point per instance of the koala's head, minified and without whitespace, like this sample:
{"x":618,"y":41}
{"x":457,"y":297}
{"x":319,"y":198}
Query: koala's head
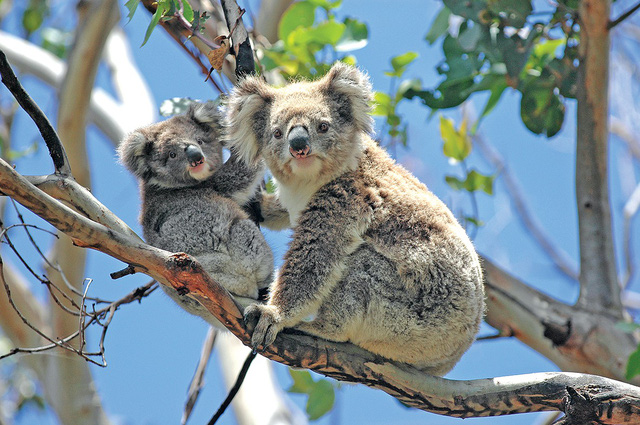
{"x":305,"y":130}
{"x":178,"y":152}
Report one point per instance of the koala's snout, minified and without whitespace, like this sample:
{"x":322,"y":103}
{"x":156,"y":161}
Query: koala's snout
{"x":194,"y":155}
{"x":299,"y":142}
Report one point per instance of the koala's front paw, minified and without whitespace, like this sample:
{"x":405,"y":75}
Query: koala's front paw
{"x":263,"y":322}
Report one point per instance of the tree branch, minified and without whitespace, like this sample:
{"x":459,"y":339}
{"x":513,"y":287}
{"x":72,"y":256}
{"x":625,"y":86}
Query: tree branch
{"x":240,"y":39}
{"x":49,"y":135}
{"x":599,"y":289}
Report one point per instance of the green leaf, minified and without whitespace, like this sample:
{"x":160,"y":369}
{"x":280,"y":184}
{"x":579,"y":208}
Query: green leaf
{"x":328,"y":32}
{"x":470,"y":37}
{"x":472,"y":183}
{"x":131,"y":5}
{"x":321,"y":399}
{"x":187,"y":11}
{"x":32,"y":18}
{"x":354,"y":37}
{"x":325,"y":4}
{"x":547,"y":47}
{"x":541,"y":110}
{"x":439,"y":26}
{"x":513,"y":13}
{"x":476,"y":181}
{"x":300,"y":14}
{"x":163,"y":6}
{"x":457,"y":144}
{"x":399,"y":63}
{"x":382,"y":104}
{"x":302,"y":381}
{"x":474,"y":10}
{"x":633,"y":364}
{"x":496,"y":94}
{"x":405,"y":86}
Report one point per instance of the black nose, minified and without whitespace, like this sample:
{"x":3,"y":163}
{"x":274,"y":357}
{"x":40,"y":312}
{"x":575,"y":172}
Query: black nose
{"x":194,"y":154}
{"x":298,"y":138}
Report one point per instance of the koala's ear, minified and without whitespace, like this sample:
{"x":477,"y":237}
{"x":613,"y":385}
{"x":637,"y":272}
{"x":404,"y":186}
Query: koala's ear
{"x":247,"y":112}
{"x":133,"y":151}
{"x":352,"y":88}
{"x":205,"y":113}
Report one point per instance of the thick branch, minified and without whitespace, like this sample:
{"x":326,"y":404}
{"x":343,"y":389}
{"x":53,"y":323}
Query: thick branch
{"x":599,"y":289}
{"x":575,"y":339}
{"x":240,"y":39}
{"x":610,"y":401}
{"x":42,"y":122}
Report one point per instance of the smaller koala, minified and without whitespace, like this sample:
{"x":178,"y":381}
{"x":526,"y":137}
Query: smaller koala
{"x":375,"y":258}
{"x":191,"y":203}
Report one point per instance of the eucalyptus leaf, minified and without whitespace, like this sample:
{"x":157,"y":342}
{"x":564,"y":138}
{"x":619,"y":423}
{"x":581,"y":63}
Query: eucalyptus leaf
{"x":354,"y":37}
{"x":321,"y":399}
{"x":457,"y":144}
{"x":633,"y":364}
{"x":302,"y":381}
{"x":439,"y":26}
{"x":131,"y":5}
{"x":300,"y":14}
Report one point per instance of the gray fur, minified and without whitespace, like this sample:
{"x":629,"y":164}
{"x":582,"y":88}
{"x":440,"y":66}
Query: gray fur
{"x":375,"y":257}
{"x":196,"y":209}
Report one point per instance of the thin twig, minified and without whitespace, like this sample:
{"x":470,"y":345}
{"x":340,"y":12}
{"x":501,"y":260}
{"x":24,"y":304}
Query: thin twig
{"x":624,"y":16}
{"x":198,"y":377}
{"x":49,"y":135}
{"x":236,"y":387}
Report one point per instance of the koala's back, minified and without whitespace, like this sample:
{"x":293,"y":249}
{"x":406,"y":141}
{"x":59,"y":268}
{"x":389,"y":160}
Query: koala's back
{"x":214,"y":229}
{"x":412,"y":289}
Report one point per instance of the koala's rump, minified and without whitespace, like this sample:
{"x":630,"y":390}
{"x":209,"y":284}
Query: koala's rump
{"x":372,"y":307}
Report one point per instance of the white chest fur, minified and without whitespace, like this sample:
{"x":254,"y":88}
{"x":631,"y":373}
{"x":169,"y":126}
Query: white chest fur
{"x":295,"y":198}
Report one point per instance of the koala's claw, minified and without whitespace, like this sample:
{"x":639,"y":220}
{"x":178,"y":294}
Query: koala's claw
{"x":263,"y":322}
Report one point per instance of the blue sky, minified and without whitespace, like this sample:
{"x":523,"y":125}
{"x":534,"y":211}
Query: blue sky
{"x":152,"y":348}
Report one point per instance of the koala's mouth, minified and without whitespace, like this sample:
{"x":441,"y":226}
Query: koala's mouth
{"x":300,"y":153}
{"x":195,"y":164}
{"x":200,"y":169}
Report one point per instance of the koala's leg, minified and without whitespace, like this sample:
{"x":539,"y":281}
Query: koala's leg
{"x":328,"y":231}
{"x":250,"y":253}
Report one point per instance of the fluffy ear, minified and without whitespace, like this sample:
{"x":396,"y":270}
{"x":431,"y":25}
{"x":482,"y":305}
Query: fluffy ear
{"x":351,"y":87}
{"x":247,"y":113}
{"x":133,"y":151}
{"x":205,"y":113}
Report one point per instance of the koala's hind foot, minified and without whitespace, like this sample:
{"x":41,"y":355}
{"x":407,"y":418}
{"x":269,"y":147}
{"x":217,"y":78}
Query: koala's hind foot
{"x":263,"y":323}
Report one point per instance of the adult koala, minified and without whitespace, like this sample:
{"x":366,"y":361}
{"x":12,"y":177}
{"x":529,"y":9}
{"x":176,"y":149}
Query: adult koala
{"x":375,"y":259}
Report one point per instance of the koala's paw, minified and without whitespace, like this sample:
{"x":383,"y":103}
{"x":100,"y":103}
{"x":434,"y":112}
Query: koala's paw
{"x":263,"y":322}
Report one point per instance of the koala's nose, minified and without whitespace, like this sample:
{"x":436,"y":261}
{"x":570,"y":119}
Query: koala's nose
{"x":194,"y":154}
{"x":298,"y":138}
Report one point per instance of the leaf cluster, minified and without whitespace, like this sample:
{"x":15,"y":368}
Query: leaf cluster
{"x":489,"y":45}
{"x":311,"y":37}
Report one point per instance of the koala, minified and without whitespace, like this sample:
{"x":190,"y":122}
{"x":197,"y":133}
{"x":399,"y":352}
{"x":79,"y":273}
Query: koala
{"x":375,"y":259}
{"x":191,"y":203}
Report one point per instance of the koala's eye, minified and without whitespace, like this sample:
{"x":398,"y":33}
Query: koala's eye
{"x":172,"y":154}
{"x":200,"y":141}
{"x":277,"y":133}
{"x":323,"y":127}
